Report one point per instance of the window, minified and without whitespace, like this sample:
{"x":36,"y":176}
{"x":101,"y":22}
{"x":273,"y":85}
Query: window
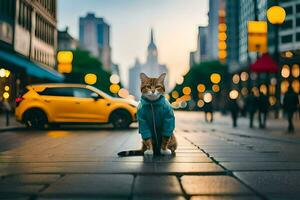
{"x":298,"y":8}
{"x":289,"y":10}
{"x":298,"y":22}
{"x":298,"y":37}
{"x":288,"y":24}
{"x":82,"y":93}
{"x":286,"y":39}
{"x":59,"y":91}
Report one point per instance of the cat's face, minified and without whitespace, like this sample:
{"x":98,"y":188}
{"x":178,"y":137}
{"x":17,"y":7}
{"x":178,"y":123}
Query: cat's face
{"x":152,"y":88}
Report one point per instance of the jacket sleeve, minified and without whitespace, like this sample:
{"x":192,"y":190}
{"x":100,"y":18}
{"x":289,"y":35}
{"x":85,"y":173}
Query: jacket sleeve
{"x":144,"y":129}
{"x":169,"y":121}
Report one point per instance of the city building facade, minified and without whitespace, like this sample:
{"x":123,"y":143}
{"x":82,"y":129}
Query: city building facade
{"x":66,"y":41}
{"x":151,"y":68}
{"x":94,"y":36}
{"x":28,"y":44}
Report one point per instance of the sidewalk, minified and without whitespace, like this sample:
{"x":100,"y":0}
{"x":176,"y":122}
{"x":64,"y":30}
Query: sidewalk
{"x":13,"y":124}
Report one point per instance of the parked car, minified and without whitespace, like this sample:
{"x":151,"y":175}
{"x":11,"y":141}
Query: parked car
{"x":49,"y":104}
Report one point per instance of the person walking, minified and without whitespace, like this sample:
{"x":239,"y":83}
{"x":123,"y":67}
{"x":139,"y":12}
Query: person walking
{"x":234,"y":110}
{"x":263,"y":108}
{"x":251,"y":107}
{"x":290,"y":104}
{"x":208,"y":110}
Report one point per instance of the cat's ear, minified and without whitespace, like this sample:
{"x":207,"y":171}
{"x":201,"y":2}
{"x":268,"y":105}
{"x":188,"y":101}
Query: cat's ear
{"x":143,"y":77}
{"x":161,"y":78}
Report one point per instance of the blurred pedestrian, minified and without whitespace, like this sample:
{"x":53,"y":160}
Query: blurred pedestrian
{"x":251,"y":106}
{"x":6,"y":109}
{"x":290,"y":104}
{"x":263,"y":108}
{"x":208,"y":110}
{"x":234,"y":110}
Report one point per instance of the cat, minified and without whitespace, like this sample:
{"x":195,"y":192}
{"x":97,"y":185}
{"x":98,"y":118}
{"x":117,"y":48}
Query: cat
{"x":156,"y":119}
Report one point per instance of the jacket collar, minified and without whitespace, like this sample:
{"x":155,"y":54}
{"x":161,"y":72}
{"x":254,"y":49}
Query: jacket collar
{"x":160,"y":100}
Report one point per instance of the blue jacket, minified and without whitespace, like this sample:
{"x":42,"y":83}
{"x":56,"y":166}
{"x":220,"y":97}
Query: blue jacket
{"x":163,"y":115}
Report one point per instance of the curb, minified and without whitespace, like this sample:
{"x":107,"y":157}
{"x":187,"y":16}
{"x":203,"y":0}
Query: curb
{"x":11,"y":128}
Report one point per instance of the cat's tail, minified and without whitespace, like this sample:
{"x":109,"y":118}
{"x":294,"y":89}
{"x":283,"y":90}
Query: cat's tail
{"x":131,"y":153}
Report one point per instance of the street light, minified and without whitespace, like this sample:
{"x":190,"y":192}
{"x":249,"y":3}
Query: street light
{"x":276,"y":15}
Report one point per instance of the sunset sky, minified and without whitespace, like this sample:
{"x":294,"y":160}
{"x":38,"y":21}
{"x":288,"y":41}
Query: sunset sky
{"x":174,"y":22}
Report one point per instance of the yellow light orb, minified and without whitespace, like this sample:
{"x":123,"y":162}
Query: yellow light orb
{"x":233,"y":94}
{"x":222,"y":45}
{"x":175,"y":94}
{"x":222,"y":54}
{"x":255,"y":91}
{"x":296,"y":86}
{"x":123,"y":93}
{"x":201,"y":87}
{"x":6,"y":88}
{"x":285,"y":71}
{"x":186,"y":90}
{"x":215,"y":78}
{"x":222,"y":27}
{"x":276,"y":15}
{"x":5,"y":95}
{"x":65,"y":57}
{"x":114,"y":78}
{"x":244,"y":76}
{"x":2,"y":72}
{"x":167,"y":97}
{"x":179,"y":80}
{"x":284,"y":86}
{"x":263,"y":89}
{"x":200,"y":103}
{"x":90,"y":79}
{"x":207,"y":97}
{"x":236,"y":79}
{"x":114,"y":88}
{"x":272,"y":89}
{"x":222,"y":36}
{"x":216,"y":88}
{"x":7,"y":73}
{"x":295,"y":71}
{"x":288,"y":54}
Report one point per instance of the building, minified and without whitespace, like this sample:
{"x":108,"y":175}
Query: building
{"x":151,"y":68}
{"x":232,"y":9}
{"x":94,"y":36}
{"x":201,"y":53}
{"x":28,"y":44}
{"x":66,"y":41}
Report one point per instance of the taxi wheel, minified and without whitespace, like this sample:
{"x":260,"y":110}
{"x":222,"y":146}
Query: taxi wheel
{"x":120,"y":119}
{"x":35,"y":119}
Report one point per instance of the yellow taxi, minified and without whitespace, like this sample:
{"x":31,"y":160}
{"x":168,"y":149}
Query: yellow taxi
{"x":49,"y":104}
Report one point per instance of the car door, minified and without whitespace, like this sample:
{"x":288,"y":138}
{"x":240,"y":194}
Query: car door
{"x":90,"y":109}
{"x":60,"y":103}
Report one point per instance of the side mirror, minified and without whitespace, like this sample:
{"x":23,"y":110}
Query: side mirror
{"x":95,"y":96}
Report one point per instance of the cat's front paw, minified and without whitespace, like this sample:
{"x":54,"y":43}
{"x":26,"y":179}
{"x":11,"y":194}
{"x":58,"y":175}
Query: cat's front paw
{"x":148,"y":152}
{"x":166,"y":152}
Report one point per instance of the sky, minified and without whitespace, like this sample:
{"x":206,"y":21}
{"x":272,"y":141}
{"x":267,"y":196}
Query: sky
{"x":174,"y":22}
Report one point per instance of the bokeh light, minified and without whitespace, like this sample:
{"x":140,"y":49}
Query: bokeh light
{"x":284,"y":86}
{"x":179,"y":80}
{"x":215,"y":78}
{"x":200,"y":103}
{"x":186,"y":90}
{"x":114,"y":79}
{"x":244,"y":76}
{"x":114,"y":88}
{"x":233,"y":94}
{"x":207,"y":97}
{"x":90,"y":79}
{"x":201,"y":87}
{"x":295,"y":71}
{"x":216,"y":88}
{"x":236,"y":79}
{"x":175,"y":94}
{"x":123,"y":93}
{"x":295,"y":85}
{"x":285,"y":71}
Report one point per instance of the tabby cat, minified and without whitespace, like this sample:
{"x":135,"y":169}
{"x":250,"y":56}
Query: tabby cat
{"x":156,"y":119}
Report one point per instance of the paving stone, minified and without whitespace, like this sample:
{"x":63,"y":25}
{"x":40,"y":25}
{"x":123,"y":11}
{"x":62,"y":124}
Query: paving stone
{"x":81,"y":198}
{"x":272,"y":183}
{"x":21,"y":189}
{"x":156,"y":185}
{"x":107,"y":185}
{"x":188,"y":168}
{"x":250,"y":159}
{"x":213,"y":185}
{"x":158,"y":197}
{"x":31,"y":179}
{"x":224,"y":198}
{"x":13,"y":197}
{"x":250,"y":166}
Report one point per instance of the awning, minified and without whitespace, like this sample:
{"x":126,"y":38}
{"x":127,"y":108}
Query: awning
{"x":31,"y":68}
{"x":265,"y":64}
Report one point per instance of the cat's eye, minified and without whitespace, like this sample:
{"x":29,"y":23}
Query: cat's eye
{"x":158,"y":87}
{"x":148,"y":86}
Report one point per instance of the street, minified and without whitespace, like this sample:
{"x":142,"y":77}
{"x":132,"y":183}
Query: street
{"x":213,"y":161}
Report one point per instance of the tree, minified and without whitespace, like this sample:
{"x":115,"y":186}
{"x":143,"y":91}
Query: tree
{"x":83,"y":63}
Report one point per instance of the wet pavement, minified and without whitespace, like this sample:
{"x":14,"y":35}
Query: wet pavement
{"x":213,"y":161}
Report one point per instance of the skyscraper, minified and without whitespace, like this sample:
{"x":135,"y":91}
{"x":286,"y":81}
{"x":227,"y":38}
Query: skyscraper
{"x":94,"y":36}
{"x":151,"y":68}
